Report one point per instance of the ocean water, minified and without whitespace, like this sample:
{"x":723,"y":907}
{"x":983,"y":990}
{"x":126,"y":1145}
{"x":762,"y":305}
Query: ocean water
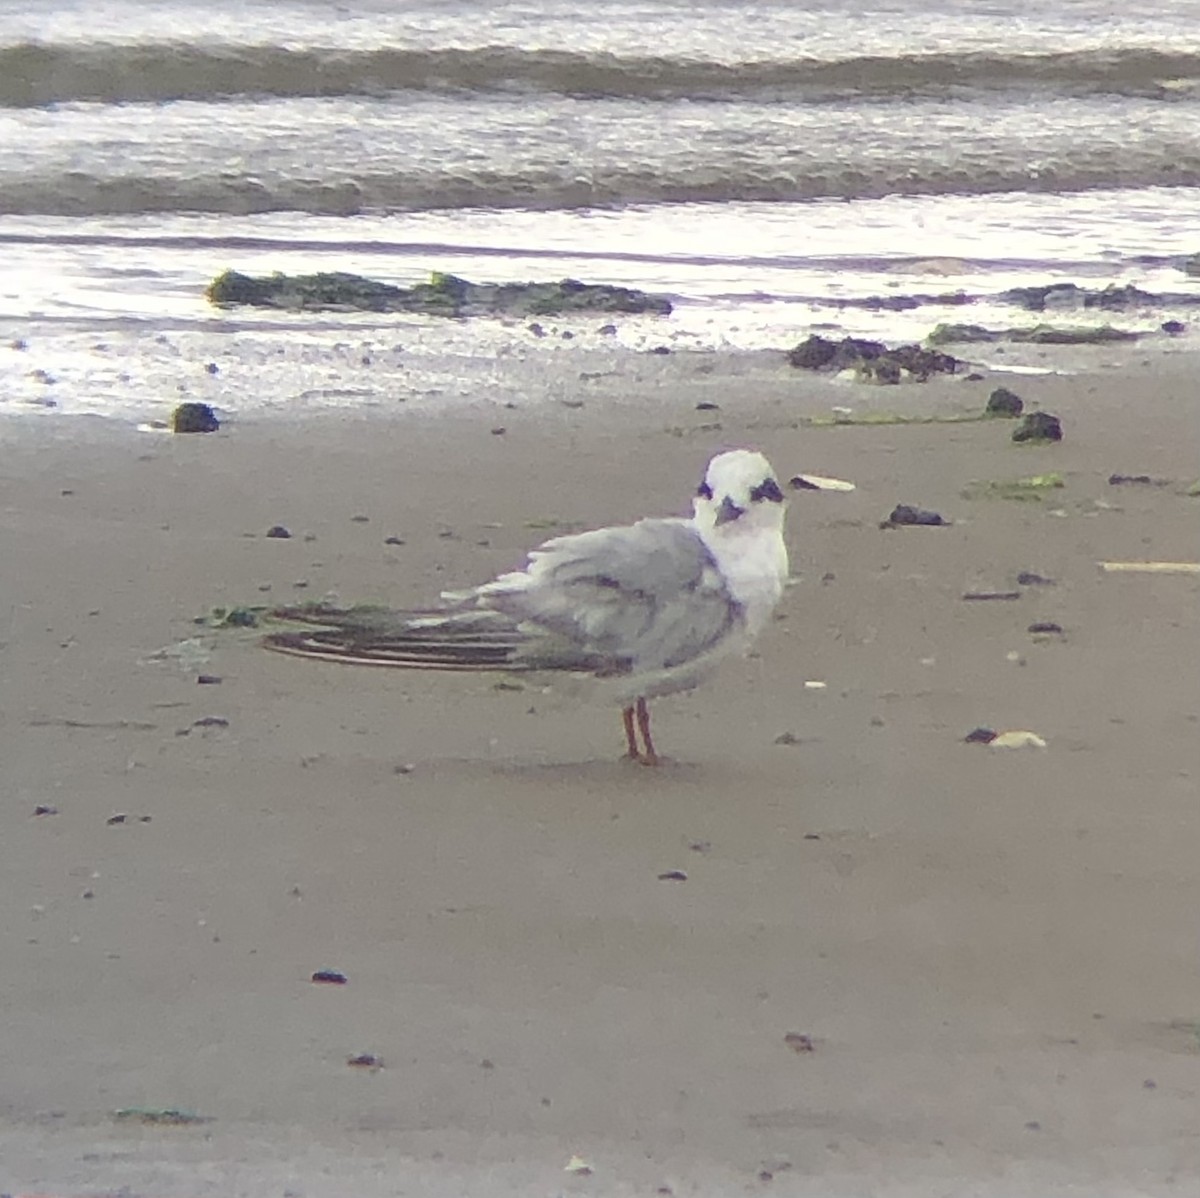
{"x":775,"y":167}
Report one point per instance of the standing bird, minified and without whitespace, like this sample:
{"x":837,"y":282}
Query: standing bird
{"x":647,"y":609}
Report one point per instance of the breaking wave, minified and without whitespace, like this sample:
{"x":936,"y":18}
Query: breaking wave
{"x":40,"y":74}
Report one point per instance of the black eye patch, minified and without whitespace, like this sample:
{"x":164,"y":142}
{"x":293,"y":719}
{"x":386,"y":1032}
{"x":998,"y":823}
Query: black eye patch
{"x":704,"y":491}
{"x":767,"y":489}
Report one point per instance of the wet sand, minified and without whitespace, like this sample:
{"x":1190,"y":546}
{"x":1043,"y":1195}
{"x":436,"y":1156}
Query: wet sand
{"x":993,"y":952}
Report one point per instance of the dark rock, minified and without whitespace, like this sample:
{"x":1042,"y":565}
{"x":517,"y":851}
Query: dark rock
{"x":1035,"y":299}
{"x":443,"y":295}
{"x":208,"y":679}
{"x":194,"y":418}
{"x":1045,"y":626}
{"x":673,"y":875}
{"x":1069,"y":295}
{"x":1038,"y":426}
{"x":873,"y":360}
{"x":661,"y":349}
{"x":279,"y":532}
{"x":984,"y":596}
{"x":1003,"y":402}
{"x":329,"y":977}
{"x":980,"y":736}
{"x":1173,"y":328}
{"x":212,"y":368}
{"x":707,"y":406}
{"x":1028,"y":579}
{"x":45,"y":809}
{"x":393,"y":541}
{"x":904,"y":514}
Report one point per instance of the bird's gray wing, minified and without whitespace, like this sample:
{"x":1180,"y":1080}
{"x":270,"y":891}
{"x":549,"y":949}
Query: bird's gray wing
{"x":644,"y":597}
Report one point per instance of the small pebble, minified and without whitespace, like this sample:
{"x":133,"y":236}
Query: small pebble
{"x":673,"y":875}
{"x":903,"y":514}
{"x":329,"y":977}
{"x":980,"y":736}
{"x":278,"y":532}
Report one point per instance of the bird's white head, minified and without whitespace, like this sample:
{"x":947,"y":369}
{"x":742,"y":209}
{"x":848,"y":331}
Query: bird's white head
{"x":739,"y":494}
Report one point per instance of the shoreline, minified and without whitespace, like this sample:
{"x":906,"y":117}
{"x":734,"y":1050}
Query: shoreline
{"x":992,"y":950}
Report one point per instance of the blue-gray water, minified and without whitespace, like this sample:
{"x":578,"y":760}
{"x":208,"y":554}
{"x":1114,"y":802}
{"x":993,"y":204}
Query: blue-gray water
{"x":761,"y":162}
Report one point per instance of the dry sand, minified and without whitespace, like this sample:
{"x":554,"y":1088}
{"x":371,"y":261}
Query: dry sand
{"x":994,"y":952}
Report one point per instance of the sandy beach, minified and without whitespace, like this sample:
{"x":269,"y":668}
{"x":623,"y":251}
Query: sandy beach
{"x":990,"y":952}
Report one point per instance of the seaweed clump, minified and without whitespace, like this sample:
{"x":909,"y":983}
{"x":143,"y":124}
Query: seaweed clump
{"x":442,"y":295}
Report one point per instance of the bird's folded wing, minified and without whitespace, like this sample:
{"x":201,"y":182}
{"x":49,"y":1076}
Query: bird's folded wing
{"x":644,"y":597}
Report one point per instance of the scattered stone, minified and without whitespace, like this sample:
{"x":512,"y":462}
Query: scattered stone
{"x":1003,"y":402}
{"x":360,"y":519}
{"x":1028,"y":579}
{"x":607,"y":330}
{"x":208,"y":680}
{"x":278,"y":532}
{"x":1038,"y":426}
{"x":45,"y":809}
{"x":194,"y":418}
{"x":329,"y":977}
{"x":980,"y":736}
{"x":442,"y":295}
{"x":661,"y":350}
{"x":1173,"y":328}
{"x":119,"y":818}
{"x":499,"y":431}
{"x":212,"y":368}
{"x":799,"y":1043}
{"x":1045,"y":628}
{"x":903,"y":514}
{"x":673,"y":875}
{"x":365,"y":1060}
{"x":707,"y":406}
{"x":872,"y":361}
{"x":578,"y":1166}
{"x":393,"y":541}
{"x":211,"y":721}
{"x":788,"y":738}
{"x":987,"y":595}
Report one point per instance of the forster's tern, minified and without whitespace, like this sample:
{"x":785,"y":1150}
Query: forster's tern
{"x":646,"y":609}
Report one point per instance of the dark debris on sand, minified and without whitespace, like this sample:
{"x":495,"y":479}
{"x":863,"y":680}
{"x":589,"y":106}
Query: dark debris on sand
{"x":872,"y":361}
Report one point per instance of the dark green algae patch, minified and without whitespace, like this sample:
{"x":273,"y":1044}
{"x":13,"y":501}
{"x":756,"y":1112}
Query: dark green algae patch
{"x":443,"y":295}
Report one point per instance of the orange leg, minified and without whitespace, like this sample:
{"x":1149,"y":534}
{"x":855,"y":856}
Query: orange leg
{"x":649,"y":757}
{"x":630,"y":736}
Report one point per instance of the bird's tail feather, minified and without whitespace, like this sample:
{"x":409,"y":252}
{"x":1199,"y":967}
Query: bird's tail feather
{"x":466,"y":639}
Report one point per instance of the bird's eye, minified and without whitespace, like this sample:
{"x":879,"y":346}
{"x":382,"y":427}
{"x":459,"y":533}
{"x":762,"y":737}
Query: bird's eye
{"x":767,"y":489}
{"x":704,"y":491}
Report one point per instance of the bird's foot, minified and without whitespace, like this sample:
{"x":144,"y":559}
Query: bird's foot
{"x":643,"y":758}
